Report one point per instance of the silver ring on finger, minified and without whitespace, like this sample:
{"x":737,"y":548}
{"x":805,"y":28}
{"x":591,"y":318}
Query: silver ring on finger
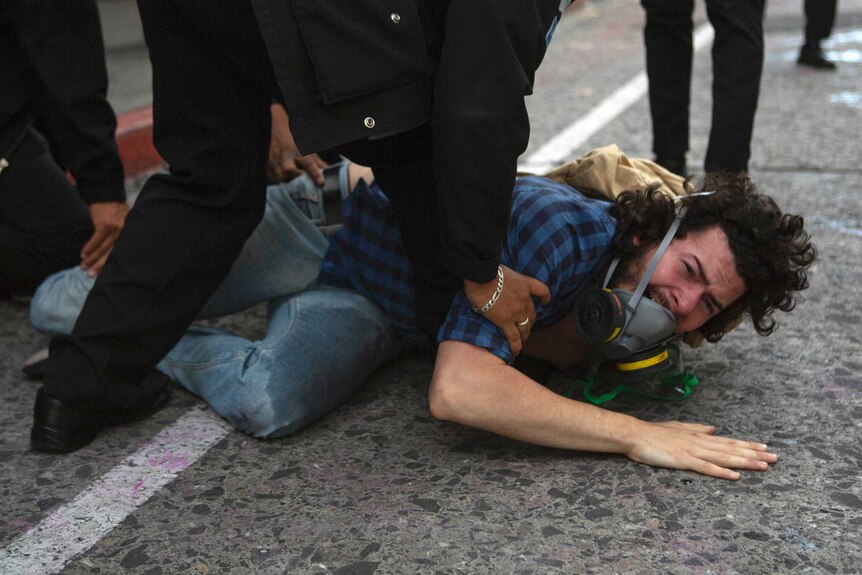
{"x":523,"y":323}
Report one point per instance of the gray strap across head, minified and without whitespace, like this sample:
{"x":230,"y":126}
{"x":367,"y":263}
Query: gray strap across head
{"x":653,"y":264}
{"x":659,"y":253}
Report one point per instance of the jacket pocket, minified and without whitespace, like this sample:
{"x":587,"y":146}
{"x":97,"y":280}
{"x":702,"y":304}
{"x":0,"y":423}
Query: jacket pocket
{"x":359,"y":47}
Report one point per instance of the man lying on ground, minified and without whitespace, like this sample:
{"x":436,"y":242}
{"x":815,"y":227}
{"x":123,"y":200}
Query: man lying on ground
{"x":734,"y":253}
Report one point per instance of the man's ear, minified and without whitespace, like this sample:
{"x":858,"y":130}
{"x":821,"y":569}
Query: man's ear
{"x":636,"y":240}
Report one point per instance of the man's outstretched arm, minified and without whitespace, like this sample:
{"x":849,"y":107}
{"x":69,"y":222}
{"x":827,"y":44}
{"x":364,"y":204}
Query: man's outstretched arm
{"x":473,"y":387}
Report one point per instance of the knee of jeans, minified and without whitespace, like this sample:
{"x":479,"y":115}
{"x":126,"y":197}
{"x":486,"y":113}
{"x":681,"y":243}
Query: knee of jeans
{"x":259,"y":420}
{"x":57,"y":302}
{"x":39,"y":310}
{"x":291,"y":423}
{"x":267,"y":417}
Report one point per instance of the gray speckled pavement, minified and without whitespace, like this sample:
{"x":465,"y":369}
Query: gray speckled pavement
{"x":379,"y":486}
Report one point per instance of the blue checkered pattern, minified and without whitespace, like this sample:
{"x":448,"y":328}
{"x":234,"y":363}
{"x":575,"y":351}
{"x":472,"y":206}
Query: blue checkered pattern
{"x":556,"y":235}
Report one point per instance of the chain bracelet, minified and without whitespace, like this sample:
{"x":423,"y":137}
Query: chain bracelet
{"x":487,"y":307}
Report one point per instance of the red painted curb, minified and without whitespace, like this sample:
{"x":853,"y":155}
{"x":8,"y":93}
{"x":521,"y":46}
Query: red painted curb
{"x":135,"y":142}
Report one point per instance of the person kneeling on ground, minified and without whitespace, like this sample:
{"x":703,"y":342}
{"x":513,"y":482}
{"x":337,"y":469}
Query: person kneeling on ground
{"x":734,"y":253}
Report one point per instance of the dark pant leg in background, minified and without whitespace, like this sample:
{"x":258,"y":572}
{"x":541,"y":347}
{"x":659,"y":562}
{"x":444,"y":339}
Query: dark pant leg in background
{"x":819,"y":19}
{"x":43,"y":221}
{"x":668,"y":41}
{"x":212,"y":88}
{"x":737,"y":64}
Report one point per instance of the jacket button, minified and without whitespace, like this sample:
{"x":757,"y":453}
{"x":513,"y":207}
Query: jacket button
{"x":395,"y":17}
{"x":369,"y":122}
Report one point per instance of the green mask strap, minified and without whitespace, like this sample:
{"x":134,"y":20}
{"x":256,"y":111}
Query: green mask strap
{"x":686,"y":381}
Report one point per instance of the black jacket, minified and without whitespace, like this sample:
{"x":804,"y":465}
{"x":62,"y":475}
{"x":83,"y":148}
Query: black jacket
{"x":357,"y":69}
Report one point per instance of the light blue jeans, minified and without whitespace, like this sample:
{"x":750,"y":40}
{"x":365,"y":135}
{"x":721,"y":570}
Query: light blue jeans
{"x":321,"y":342}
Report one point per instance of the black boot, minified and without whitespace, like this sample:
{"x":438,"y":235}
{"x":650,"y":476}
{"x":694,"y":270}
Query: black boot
{"x":812,"y":56}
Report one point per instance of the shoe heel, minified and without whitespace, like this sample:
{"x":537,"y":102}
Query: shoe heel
{"x":49,"y":440}
{"x":58,"y":428}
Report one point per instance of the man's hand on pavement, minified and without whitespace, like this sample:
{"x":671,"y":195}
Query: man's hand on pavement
{"x":108,"y":220}
{"x":694,"y":447}
{"x":514,"y":306}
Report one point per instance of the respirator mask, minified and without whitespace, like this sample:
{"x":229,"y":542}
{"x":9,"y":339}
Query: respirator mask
{"x":632,"y":332}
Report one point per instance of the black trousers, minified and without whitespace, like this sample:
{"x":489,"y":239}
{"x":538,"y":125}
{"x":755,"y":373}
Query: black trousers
{"x":43,"y":221}
{"x":212,"y":88}
{"x":819,"y":19}
{"x":54,"y":67}
{"x":737,"y":63}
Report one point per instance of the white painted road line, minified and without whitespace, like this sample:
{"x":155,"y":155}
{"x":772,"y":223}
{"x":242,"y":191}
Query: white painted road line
{"x":81,"y":523}
{"x":560,"y":147}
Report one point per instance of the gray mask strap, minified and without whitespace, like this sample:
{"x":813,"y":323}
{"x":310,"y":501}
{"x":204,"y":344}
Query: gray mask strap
{"x":611,"y":269}
{"x":653,"y":263}
{"x":662,"y":248}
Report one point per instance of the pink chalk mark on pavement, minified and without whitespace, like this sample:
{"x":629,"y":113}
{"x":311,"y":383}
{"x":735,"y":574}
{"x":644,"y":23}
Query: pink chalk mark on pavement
{"x":138,"y":485}
{"x":170,"y":461}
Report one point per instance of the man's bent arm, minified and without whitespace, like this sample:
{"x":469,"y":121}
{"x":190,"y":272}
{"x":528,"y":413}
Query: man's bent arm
{"x":480,"y":126}
{"x":473,"y":387}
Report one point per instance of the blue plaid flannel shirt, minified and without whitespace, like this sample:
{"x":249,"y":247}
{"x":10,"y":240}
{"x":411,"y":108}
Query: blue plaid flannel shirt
{"x":556,"y":235}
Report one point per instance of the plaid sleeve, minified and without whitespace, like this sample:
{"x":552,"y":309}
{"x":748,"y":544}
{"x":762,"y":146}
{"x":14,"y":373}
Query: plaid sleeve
{"x":556,"y":236}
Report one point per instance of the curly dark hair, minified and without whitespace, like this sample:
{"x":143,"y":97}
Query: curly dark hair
{"x":772,"y":250}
